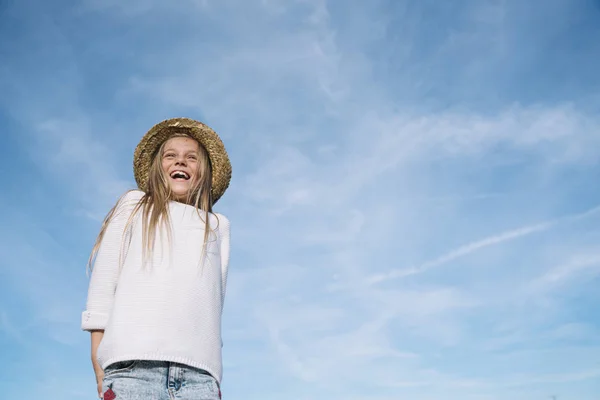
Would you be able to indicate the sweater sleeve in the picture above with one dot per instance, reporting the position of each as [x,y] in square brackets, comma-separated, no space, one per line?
[105,273]
[224,233]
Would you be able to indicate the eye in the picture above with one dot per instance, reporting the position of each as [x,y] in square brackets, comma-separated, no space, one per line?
[169,155]
[192,157]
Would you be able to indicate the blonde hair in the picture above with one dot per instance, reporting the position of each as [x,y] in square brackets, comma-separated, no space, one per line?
[155,201]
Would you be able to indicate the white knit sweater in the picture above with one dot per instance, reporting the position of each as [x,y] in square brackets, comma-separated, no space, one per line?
[169,309]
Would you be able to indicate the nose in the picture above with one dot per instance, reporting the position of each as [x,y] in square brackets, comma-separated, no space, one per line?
[180,160]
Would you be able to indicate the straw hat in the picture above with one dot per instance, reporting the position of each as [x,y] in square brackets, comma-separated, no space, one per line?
[159,133]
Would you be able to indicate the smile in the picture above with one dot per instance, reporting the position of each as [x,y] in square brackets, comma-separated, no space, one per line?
[180,175]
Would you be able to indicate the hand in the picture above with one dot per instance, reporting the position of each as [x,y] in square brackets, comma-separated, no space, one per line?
[96,338]
[99,379]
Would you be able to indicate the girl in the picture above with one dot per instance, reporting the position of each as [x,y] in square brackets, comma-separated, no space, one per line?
[160,265]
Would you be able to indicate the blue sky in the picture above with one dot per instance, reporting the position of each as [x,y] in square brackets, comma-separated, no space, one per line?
[414,203]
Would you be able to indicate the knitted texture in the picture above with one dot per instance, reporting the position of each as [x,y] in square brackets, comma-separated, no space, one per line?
[170,308]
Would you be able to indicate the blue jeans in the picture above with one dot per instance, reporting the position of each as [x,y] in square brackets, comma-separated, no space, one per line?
[158,380]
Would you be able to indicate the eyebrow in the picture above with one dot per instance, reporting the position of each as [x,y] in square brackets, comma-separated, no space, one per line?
[187,152]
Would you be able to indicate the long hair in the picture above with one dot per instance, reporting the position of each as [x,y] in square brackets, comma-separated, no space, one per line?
[155,202]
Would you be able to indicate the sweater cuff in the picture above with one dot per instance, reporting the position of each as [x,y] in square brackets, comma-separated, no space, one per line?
[93,321]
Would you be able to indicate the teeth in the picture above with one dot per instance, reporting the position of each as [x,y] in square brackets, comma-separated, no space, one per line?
[180,174]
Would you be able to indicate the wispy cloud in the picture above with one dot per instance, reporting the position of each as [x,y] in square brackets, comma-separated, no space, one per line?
[363,139]
[9,329]
[561,274]
[490,241]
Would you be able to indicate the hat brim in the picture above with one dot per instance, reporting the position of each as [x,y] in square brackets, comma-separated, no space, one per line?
[161,132]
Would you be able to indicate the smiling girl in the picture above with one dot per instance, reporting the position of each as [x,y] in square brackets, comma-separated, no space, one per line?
[159,271]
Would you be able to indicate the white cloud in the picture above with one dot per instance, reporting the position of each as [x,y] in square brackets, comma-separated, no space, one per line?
[578,265]
[490,241]
[333,185]
[8,328]
[138,8]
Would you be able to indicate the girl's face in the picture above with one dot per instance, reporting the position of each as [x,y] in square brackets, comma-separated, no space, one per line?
[180,165]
